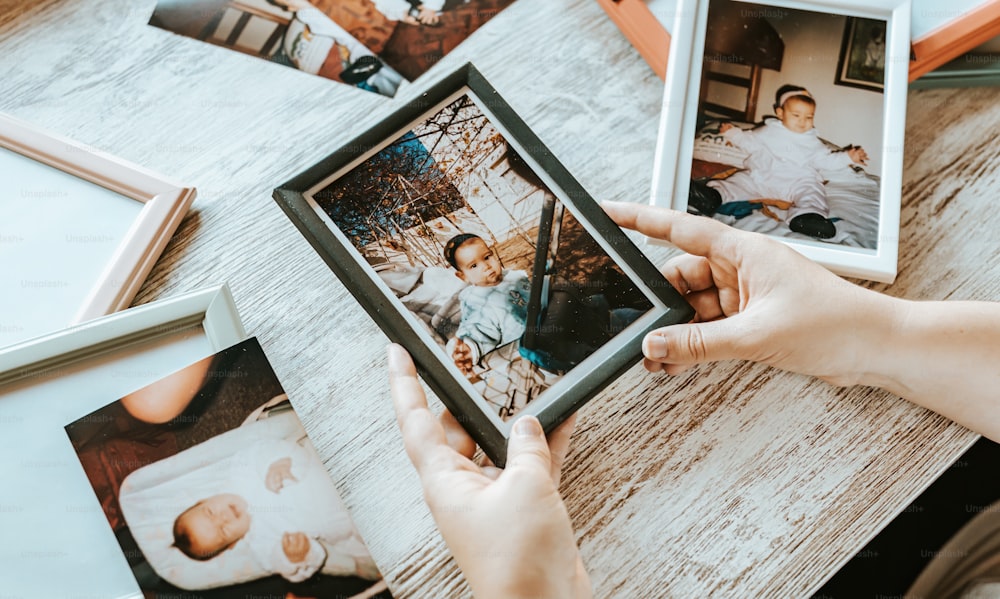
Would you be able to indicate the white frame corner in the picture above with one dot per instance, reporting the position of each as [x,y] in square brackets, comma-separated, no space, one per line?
[672,165]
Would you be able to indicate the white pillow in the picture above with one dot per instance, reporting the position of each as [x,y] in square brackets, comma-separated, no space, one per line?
[711,146]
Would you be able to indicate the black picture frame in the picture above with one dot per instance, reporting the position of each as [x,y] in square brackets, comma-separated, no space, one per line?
[467,89]
[851,68]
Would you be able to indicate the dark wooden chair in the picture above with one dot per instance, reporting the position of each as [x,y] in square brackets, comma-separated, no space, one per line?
[245,15]
[739,46]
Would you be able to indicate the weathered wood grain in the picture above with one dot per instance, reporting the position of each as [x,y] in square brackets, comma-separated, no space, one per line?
[730,480]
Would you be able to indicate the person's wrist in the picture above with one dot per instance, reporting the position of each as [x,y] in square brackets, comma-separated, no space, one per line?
[885,317]
[549,585]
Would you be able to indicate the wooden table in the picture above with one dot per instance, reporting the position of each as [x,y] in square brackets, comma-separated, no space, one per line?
[732,480]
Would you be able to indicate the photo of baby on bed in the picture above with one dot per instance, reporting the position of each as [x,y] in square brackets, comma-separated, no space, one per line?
[793,153]
[212,488]
[493,267]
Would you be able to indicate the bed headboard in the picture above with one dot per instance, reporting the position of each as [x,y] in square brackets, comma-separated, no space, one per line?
[738,44]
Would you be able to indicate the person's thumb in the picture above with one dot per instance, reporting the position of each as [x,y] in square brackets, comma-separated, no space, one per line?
[697,343]
[527,448]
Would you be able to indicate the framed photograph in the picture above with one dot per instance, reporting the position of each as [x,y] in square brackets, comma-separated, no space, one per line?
[48,510]
[978,67]
[942,35]
[773,123]
[213,489]
[862,54]
[471,245]
[643,29]
[79,230]
[374,45]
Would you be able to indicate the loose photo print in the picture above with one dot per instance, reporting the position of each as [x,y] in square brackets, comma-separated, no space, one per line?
[790,123]
[371,44]
[492,265]
[213,489]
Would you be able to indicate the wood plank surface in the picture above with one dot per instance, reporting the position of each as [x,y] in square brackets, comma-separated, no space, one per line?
[732,480]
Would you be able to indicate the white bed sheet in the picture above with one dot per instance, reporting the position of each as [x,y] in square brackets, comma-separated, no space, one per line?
[853,198]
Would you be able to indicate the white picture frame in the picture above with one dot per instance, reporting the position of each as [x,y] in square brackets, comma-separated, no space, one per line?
[58,539]
[811,36]
[79,230]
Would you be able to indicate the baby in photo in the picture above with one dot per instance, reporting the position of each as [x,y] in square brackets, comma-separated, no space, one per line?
[411,12]
[494,305]
[284,508]
[495,309]
[313,41]
[783,169]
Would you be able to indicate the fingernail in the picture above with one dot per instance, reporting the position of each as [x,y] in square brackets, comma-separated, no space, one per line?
[656,347]
[528,426]
[395,353]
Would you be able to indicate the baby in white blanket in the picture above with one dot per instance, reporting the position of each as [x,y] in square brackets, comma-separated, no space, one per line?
[285,508]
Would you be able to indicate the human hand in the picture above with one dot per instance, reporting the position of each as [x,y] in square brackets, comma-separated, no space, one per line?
[508,530]
[858,155]
[756,299]
[462,355]
[295,545]
[723,127]
[277,473]
[428,16]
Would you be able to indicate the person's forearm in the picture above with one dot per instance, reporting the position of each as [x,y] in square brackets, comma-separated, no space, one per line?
[944,356]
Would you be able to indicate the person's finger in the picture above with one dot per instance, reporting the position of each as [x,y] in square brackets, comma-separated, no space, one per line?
[559,446]
[687,273]
[423,435]
[706,304]
[458,439]
[527,448]
[693,234]
[723,339]
[675,369]
[652,365]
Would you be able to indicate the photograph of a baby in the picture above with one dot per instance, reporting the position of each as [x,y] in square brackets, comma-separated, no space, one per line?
[495,268]
[373,45]
[291,33]
[781,147]
[282,504]
[212,487]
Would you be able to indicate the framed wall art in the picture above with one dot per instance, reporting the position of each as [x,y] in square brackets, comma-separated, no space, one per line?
[472,246]
[862,54]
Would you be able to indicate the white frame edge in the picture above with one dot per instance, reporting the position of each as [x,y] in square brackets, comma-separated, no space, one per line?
[165,203]
[212,308]
[675,141]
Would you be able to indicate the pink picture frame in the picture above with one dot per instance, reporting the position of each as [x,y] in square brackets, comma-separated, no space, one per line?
[81,229]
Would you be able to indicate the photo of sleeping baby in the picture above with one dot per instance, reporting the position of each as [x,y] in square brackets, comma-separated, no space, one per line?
[493,267]
[783,146]
[213,489]
[371,44]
